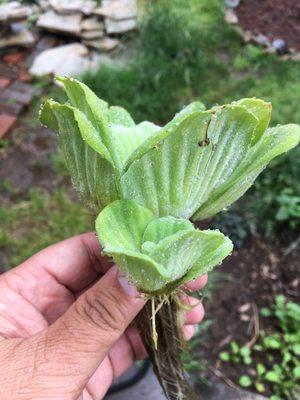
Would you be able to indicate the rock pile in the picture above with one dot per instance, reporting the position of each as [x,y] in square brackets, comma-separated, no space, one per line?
[94,26]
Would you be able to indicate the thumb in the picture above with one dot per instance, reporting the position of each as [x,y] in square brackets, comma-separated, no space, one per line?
[83,336]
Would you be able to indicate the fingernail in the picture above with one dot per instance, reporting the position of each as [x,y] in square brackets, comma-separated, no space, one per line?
[127,287]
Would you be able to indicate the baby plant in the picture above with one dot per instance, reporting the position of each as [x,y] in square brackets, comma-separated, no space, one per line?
[149,182]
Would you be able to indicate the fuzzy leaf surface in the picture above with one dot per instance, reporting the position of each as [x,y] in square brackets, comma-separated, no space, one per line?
[154,253]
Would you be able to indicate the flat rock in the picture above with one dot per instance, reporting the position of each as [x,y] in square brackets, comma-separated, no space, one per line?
[104,44]
[67,24]
[90,35]
[121,26]
[75,6]
[91,24]
[14,11]
[24,38]
[117,9]
[70,59]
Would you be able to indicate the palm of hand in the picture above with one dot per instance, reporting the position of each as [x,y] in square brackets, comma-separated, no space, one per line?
[37,293]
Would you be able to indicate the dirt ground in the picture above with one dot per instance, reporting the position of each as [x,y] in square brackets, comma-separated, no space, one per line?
[256,273]
[277,19]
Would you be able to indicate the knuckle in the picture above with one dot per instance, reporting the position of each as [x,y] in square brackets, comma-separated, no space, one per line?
[104,311]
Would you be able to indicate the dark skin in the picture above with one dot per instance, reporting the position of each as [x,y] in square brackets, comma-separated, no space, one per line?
[65,323]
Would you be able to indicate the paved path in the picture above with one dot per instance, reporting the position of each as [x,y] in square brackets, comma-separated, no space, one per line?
[149,389]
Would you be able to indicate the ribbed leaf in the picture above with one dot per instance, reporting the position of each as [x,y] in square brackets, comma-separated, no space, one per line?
[262,112]
[179,175]
[123,224]
[114,126]
[91,171]
[157,137]
[153,253]
[190,249]
[120,228]
[274,142]
[163,227]
[216,247]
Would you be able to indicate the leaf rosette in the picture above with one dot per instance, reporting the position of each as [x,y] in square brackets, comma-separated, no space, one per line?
[158,254]
[149,181]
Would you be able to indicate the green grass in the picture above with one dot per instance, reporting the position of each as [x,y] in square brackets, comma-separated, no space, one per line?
[37,221]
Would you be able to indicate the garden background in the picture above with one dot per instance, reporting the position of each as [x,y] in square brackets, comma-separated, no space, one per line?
[173,53]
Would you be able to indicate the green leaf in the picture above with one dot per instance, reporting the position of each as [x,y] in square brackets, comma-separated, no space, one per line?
[245,381]
[224,356]
[161,228]
[165,177]
[261,369]
[260,387]
[155,253]
[216,247]
[274,142]
[296,372]
[262,112]
[234,347]
[245,351]
[120,228]
[272,376]
[219,160]
[114,125]
[87,158]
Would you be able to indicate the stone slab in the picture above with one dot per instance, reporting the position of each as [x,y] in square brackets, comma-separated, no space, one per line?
[24,38]
[104,44]
[14,11]
[122,26]
[53,61]
[67,24]
[118,9]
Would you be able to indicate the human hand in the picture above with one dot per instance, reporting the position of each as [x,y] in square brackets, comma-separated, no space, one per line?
[65,317]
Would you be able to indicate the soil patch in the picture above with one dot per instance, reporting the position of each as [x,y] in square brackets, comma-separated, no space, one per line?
[258,273]
[276,19]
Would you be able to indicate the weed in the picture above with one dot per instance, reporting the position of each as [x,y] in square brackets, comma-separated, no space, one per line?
[278,352]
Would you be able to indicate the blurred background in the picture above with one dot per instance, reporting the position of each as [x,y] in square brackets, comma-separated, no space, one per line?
[153,58]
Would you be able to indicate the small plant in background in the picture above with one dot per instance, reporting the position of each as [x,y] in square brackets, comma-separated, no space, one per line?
[278,369]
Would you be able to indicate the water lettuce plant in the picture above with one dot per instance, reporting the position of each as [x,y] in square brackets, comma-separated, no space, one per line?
[147,183]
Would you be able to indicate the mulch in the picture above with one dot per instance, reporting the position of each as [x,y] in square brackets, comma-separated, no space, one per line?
[276,19]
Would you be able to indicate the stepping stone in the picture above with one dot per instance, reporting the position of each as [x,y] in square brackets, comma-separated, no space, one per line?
[90,35]
[91,24]
[120,26]
[14,11]
[75,6]
[24,38]
[67,24]
[6,123]
[117,9]
[105,44]
[53,61]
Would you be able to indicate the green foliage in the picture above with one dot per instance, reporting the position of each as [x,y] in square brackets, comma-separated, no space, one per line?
[277,192]
[38,221]
[187,51]
[176,51]
[157,253]
[279,366]
[193,167]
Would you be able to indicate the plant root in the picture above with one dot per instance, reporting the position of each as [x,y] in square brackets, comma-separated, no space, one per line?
[160,325]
